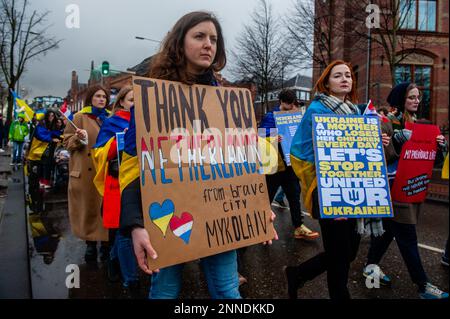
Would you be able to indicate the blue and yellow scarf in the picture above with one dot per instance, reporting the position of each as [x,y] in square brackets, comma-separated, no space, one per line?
[101,114]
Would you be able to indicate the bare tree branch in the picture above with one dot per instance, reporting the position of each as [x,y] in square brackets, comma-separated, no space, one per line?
[262,53]
[396,42]
[22,38]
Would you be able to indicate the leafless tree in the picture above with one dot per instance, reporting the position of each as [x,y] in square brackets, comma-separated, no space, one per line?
[263,54]
[307,26]
[392,37]
[328,21]
[22,38]
[3,94]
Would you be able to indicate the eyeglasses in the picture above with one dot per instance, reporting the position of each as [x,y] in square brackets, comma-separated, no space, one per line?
[413,98]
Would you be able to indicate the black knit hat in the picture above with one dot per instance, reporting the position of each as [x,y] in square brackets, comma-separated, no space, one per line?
[398,95]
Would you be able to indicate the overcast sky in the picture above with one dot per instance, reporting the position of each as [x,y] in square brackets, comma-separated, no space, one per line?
[108,29]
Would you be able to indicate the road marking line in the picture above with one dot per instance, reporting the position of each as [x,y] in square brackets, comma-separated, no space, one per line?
[431,248]
[437,250]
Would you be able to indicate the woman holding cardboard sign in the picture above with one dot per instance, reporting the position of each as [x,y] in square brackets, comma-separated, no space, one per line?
[335,94]
[405,97]
[191,53]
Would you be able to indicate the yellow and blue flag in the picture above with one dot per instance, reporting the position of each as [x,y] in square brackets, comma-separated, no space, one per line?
[445,168]
[41,138]
[102,114]
[129,167]
[21,106]
[105,139]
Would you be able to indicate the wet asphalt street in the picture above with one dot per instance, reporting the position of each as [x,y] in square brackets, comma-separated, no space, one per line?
[53,248]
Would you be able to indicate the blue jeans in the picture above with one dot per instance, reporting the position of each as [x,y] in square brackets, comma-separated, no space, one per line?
[280,195]
[123,250]
[17,152]
[220,272]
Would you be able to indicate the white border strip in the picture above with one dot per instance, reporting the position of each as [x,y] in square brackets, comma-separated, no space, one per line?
[431,248]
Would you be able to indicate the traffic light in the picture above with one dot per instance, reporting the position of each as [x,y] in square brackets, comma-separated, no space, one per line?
[105,68]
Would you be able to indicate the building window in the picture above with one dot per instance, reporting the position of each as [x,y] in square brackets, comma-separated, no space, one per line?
[421,75]
[418,15]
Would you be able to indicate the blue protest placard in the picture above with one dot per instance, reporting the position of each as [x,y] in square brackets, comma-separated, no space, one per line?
[287,123]
[120,139]
[351,167]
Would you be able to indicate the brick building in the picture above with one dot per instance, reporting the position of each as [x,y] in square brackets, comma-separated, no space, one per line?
[422,51]
[114,82]
[117,80]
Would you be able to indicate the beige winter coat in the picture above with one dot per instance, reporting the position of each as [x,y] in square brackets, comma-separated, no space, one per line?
[84,200]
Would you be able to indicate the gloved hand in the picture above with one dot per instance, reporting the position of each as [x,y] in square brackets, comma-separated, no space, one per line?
[401,136]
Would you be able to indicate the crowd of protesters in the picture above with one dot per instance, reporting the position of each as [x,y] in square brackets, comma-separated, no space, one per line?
[105,209]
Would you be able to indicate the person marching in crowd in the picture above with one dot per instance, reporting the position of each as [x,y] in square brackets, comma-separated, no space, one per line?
[405,97]
[335,94]
[84,200]
[285,176]
[38,152]
[47,160]
[17,133]
[191,53]
[106,180]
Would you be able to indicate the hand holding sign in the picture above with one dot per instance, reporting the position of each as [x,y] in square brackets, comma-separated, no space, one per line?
[142,249]
[275,235]
[385,139]
[440,139]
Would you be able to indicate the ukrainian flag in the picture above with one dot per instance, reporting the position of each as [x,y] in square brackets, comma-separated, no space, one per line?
[41,138]
[129,166]
[22,106]
[106,137]
[102,114]
[306,173]
[445,168]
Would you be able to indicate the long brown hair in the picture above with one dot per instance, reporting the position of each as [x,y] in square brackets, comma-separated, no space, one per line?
[120,96]
[170,62]
[322,83]
[91,91]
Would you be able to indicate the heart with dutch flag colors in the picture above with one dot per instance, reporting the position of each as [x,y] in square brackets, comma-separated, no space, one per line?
[182,226]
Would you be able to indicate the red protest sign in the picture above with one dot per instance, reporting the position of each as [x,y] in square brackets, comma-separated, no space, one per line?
[415,165]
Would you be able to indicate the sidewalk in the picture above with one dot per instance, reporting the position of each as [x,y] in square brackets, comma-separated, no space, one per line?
[5,173]
[14,269]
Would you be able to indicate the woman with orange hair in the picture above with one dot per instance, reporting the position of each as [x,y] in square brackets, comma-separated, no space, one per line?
[335,94]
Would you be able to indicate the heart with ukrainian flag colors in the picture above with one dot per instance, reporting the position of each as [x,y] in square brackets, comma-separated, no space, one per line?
[182,226]
[161,215]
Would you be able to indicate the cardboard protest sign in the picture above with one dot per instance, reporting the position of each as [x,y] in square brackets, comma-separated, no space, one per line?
[350,166]
[202,191]
[415,165]
[287,123]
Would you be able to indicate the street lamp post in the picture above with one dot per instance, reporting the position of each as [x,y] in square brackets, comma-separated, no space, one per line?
[147,39]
